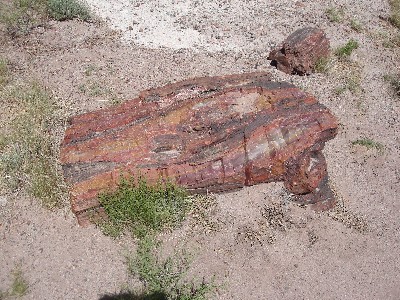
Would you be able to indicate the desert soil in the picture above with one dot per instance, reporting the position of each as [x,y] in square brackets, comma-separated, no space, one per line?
[256,242]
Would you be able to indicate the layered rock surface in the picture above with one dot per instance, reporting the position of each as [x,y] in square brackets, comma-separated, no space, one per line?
[300,52]
[206,134]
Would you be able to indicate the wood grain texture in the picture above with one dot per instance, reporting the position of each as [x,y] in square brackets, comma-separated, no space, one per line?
[206,134]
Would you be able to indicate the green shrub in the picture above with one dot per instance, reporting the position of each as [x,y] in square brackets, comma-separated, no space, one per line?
[145,210]
[347,49]
[61,10]
[142,208]
[165,278]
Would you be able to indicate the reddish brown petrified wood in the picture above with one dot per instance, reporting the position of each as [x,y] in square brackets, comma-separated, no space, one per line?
[299,53]
[206,134]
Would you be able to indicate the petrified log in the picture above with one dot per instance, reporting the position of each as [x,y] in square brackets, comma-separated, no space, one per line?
[299,53]
[206,134]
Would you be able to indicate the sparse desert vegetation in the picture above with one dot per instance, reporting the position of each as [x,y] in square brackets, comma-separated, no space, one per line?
[355,25]
[346,50]
[394,81]
[21,16]
[19,285]
[166,277]
[62,10]
[146,210]
[334,14]
[323,65]
[3,73]
[28,157]
[395,13]
[369,144]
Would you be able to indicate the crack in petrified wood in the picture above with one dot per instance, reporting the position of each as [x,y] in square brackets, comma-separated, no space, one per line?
[207,134]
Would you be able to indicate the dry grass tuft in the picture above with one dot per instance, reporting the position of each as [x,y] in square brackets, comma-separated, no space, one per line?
[355,25]
[3,73]
[348,218]
[28,149]
[395,13]
[19,285]
[323,65]
[20,16]
[335,15]
[202,212]
[275,217]
[394,81]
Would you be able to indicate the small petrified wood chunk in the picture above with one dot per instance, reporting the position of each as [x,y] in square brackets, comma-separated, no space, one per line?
[206,134]
[299,53]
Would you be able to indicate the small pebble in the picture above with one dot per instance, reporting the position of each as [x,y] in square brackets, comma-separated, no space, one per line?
[3,201]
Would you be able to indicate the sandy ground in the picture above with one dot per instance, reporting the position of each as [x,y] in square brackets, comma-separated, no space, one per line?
[352,252]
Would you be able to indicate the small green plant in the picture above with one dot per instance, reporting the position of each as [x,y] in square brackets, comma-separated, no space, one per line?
[90,69]
[395,13]
[165,277]
[19,285]
[3,141]
[369,144]
[322,65]
[353,84]
[62,10]
[351,81]
[335,15]
[346,50]
[340,90]
[355,25]
[143,208]
[394,81]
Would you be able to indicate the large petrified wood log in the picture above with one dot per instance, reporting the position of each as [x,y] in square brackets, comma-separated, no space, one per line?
[301,50]
[207,134]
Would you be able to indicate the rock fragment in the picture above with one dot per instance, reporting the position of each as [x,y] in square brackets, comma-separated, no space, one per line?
[300,52]
[207,134]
